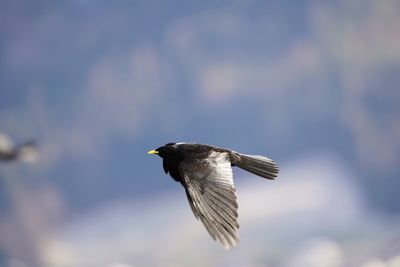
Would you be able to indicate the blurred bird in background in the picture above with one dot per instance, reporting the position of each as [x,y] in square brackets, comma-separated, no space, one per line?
[26,152]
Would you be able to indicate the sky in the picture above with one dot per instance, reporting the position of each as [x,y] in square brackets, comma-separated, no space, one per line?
[312,85]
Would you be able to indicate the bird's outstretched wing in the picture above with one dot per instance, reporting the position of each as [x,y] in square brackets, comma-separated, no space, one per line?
[210,190]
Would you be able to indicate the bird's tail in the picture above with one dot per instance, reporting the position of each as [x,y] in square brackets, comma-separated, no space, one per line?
[258,165]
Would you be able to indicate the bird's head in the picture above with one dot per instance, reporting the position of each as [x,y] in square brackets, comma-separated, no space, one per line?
[163,151]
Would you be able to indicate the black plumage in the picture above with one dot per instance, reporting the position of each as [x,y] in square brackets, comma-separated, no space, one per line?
[205,173]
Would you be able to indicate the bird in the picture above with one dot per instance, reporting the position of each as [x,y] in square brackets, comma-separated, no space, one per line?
[205,172]
[9,152]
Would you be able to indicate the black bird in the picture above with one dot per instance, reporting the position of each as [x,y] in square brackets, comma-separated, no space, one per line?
[9,152]
[206,174]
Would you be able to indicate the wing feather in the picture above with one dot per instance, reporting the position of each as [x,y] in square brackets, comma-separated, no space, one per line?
[212,196]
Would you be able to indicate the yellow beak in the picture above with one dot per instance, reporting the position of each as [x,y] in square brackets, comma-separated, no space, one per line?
[152,152]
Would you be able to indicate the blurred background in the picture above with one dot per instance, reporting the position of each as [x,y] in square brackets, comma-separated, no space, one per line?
[314,85]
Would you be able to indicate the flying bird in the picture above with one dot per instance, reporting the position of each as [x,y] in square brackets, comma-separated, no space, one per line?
[205,172]
[25,152]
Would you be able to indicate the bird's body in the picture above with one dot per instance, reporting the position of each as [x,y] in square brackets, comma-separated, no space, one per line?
[206,174]
[185,152]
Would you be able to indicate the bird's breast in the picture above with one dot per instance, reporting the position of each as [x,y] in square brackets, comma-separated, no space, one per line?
[172,168]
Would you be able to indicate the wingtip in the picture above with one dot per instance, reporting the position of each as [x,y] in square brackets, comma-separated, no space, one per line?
[230,246]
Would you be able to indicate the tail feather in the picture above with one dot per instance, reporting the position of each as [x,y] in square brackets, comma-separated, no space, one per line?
[258,165]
